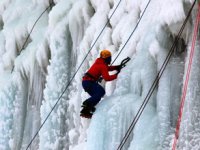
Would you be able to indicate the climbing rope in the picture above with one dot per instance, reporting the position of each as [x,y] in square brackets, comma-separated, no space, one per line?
[132,31]
[29,34]
[155,83]
[59,98]
[195,32]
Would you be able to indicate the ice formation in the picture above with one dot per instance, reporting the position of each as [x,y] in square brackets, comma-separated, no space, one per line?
[33,77]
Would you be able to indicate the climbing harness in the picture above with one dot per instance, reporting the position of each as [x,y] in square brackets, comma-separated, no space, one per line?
[87,74]
[185,86]
[155,83]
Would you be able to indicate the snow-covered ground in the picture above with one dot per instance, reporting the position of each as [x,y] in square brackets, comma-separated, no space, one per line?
[32,80]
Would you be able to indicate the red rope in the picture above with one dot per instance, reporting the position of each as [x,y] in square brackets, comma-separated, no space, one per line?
[195,32]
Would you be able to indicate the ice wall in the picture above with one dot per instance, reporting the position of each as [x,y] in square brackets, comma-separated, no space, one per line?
[22,71]
[153,40]
[56,47]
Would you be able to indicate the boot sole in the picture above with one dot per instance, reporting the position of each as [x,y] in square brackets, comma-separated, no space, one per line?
[86,116]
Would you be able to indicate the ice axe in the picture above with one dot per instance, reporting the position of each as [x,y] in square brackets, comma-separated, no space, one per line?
[122,65]
[124,61]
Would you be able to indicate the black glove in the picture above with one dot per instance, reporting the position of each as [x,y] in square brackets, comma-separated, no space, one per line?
[118,68]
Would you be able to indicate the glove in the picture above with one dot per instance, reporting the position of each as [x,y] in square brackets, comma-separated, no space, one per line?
[118,68]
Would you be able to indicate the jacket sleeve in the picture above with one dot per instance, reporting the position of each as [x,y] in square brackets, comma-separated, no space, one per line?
[105,75]
[111,68]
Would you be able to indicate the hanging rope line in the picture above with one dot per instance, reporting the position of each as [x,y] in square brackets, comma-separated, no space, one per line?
[29,34]
[59,98]
[195,32]
[132,32]
[155,83]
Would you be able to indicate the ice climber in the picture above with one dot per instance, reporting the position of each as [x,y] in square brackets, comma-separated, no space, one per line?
[90,81]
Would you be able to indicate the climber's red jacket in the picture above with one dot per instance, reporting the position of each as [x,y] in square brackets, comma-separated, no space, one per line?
[100,68]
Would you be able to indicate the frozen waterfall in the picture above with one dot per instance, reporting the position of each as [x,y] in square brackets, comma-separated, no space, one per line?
[32,80]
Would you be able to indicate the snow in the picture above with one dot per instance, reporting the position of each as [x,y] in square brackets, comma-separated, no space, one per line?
[56,48]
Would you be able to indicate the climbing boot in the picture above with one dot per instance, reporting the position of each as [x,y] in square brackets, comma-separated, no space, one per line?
[85,112]
[88,106]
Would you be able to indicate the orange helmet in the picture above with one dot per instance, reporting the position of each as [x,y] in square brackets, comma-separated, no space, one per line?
[105,53]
